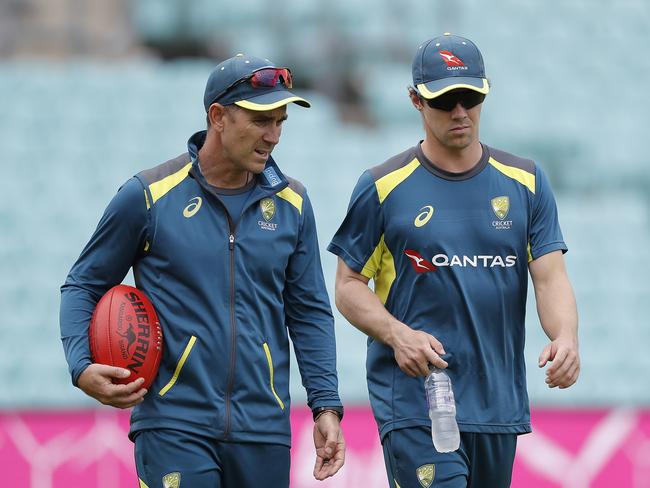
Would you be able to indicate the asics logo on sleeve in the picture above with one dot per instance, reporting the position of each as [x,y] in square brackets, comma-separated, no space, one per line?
[424,216]
[420,264]
[193,207]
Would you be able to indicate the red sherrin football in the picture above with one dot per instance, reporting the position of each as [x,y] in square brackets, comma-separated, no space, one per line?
[125,331]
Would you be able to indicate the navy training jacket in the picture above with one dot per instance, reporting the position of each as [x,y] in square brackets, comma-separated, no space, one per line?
[227,296]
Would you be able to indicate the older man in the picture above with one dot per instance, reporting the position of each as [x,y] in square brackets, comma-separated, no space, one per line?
[225,246]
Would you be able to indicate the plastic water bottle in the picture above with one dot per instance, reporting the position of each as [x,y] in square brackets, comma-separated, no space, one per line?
[442,411]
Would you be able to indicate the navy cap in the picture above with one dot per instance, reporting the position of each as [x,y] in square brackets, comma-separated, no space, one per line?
[219,87]
[447,63]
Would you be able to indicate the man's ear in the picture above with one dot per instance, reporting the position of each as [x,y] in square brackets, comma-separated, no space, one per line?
[216,115]
[415,98]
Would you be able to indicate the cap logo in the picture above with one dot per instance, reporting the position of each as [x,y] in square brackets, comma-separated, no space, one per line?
[450,59]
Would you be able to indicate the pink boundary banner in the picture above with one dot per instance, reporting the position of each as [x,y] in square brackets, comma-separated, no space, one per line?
[569,449]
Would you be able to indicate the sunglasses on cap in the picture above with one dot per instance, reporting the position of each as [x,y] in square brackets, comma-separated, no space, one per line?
[263,78]
[448,101]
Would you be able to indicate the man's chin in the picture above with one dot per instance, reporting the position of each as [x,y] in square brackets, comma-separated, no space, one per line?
[461,142]
[256,167]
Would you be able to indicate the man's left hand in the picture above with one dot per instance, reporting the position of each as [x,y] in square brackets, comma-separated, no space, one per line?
[329,444]
[565,366]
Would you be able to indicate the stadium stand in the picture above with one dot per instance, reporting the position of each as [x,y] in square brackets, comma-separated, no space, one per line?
[568,96]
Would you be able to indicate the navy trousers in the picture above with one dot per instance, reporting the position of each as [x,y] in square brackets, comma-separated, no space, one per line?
[482,461]
[175,459]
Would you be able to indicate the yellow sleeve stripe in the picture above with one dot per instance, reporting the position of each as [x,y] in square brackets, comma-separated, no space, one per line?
[372,265]
[292,197]
[380,267]
[179,366]
[142,484]
[530,255]
[160,188]
[524,177]
[146,199]
[388,183]
[269,360]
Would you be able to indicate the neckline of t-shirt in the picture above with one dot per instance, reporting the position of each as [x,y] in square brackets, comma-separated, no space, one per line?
[449,175]
[234,191]
[248,186]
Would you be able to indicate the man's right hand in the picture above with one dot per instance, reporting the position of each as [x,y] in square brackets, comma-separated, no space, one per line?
[415,350]
[96,381]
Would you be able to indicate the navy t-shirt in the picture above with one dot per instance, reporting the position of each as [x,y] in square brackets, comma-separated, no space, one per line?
[448,254]
[235,199]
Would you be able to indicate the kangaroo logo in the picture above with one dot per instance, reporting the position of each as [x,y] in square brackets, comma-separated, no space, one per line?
[450,59]
[130,336]
[420,264]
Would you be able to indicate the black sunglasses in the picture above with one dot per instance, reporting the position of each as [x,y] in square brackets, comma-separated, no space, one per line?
[448,101]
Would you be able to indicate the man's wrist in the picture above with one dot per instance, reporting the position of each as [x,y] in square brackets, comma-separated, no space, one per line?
[318,411]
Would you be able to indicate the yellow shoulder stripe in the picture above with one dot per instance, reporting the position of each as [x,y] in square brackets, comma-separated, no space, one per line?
[292,197]
[524,177]
[142,484]
[388,183]
[380,267]
[160,188]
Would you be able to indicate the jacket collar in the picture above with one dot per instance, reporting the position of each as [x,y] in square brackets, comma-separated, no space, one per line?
[270,181]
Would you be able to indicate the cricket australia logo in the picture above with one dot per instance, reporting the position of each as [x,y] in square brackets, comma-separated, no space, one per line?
[267,206]
[172,480]
[426,474]
[501,207]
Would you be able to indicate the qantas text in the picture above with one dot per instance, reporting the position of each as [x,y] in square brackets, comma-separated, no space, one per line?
[485,261]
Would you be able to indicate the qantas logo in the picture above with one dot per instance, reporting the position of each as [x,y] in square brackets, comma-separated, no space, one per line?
[420,264]
[450,59]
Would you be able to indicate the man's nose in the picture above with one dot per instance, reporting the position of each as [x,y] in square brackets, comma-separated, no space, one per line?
[458,112]
[272,135]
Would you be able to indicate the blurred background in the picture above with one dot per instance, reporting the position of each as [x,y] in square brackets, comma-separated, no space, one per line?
[91,92]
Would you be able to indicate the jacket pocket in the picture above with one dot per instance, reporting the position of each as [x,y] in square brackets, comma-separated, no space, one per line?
[269,360]
[179,366]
